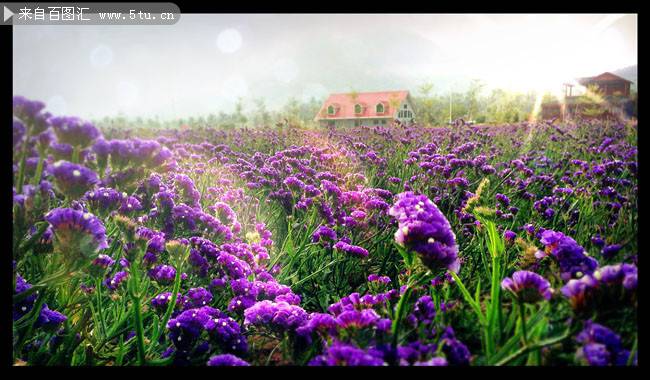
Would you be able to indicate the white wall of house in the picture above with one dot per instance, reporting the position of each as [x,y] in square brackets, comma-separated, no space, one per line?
[405,113]
[351,123]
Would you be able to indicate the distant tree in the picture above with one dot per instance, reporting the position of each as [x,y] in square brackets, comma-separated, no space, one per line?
[239,118]
[262,115]
[472,97]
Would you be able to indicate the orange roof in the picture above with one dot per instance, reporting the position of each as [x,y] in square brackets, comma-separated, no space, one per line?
[344,104]
[604,77]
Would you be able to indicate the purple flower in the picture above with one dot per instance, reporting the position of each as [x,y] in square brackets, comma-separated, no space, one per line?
[323,234]
[114,283]
[357,319]
[381,279]
[619,274]
[455,351]
[350,249]
[76,232]
[30,113]
[601,346]
[50,319]
[424,229]
[279,315]
[104,199]
[509,235]
[433,362]
[504,200]
[528,286]
[341,354]
[73,180]
[186,328]
[234,267]
[103,261]
[318,322]
[163,274]
[226,360]
[197,297]
[74,131]
[161,301]
[102,149]
[294,184]
[130,205]
[611,250]
[597,241]
[571,257]
[424,310]
[19,132]
[25,305]
[227,333]
[240,303]
[580,292]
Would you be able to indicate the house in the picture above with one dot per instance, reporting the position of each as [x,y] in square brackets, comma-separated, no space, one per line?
[366,108]
[611,99]
[609,84]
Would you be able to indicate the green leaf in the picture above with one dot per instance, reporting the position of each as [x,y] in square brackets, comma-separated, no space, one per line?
[475,305]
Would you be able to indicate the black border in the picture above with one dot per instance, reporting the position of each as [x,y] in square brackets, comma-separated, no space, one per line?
[6,47]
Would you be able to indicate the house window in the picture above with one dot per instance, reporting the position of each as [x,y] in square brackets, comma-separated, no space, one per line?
[379,108]
[357,123]
[383,122]
[330,110]
[405,107]
[357,108]
[330,123]
[375,122]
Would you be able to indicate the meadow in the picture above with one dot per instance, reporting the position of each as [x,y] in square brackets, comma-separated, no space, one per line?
[511,244]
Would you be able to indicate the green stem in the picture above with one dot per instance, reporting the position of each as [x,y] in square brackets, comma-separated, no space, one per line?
[39,171]
[139,331]
[98,289]
[75,155]
[522,317]
[630,360]
[525,349]
[398,317]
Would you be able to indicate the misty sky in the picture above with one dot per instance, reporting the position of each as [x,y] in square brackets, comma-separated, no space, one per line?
[204,63]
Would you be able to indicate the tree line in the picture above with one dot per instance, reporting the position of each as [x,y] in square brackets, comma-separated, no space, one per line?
[497,106]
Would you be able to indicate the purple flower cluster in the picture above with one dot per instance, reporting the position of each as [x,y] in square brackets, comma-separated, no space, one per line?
[50,319]
[352,250]
[76,232]
[74,131]
[161,301]
[570,256]
[226,360]
[601,346]
[341,354]
[425,230]
[188,327]
[604,287]
[73,180]
[528,286]
[163,274]
[279,315]
[25,305]
[112,283]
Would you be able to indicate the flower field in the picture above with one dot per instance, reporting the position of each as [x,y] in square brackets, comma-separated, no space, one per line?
[485,245]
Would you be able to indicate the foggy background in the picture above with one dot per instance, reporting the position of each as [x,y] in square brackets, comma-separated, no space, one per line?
[204,63]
